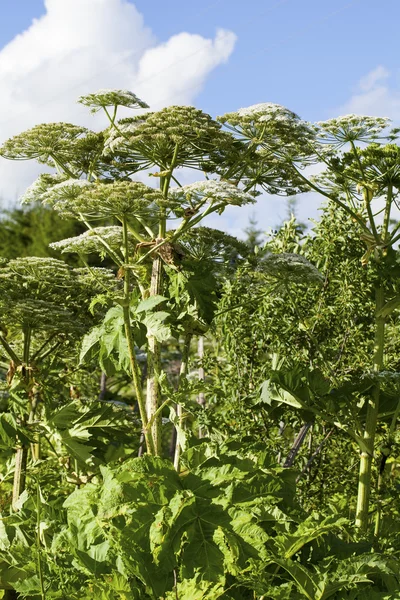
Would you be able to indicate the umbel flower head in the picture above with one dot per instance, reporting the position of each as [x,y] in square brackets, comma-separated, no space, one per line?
[77,198]
[92,241]
[351,128]
[45,294]
[292,268]
[206,244]
[380,166]
[172,137]
[210,192]
[109,97]
[41,185]
[46,143]
[272,127]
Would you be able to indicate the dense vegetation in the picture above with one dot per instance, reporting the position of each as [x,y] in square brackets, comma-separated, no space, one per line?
[184,415]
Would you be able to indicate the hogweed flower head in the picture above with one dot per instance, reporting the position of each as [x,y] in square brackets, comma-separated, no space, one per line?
[74,198]
[44,143]
[110,97]
[90,241]
[213,192]
[351,128]
[205,243]
[291,267]
[41,185]
[182,135]
[47,294]
[65,195]
[273,128]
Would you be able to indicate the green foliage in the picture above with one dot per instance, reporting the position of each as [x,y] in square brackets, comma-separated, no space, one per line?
[28,231]
[302,346]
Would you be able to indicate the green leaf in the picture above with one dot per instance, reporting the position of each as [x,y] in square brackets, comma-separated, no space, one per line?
[150,303]
[156,326]
[4,541]
[95,558]
[301,576]
[89,344]
[11,432]
[389,307]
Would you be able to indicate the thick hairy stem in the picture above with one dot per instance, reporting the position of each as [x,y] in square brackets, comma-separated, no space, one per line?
[38,541]
[298,442]
[201,399]
[34,401]
[136,374]
[153,397]
[367,453]
[179,409]
[21,456]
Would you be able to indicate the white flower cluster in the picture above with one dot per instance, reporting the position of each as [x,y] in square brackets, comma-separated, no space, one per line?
[40,314]
[110,97]
[63,196]
[118,136]
[351,128]
[35,192]
[265,110]
[91,241]
[292,268]
[212,191]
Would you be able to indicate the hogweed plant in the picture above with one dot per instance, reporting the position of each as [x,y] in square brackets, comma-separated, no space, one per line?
[360,174]
[223,522]
[43,313]
[95,181]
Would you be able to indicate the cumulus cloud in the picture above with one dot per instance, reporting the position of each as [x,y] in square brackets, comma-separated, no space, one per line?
[79,46]
[375,94]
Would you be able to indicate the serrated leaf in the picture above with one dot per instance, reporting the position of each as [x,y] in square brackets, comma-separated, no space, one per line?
[156,327]
[389,307]
[89,343]
[149,303]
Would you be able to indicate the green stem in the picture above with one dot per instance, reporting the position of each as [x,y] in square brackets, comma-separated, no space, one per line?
[136,375]
[179,409]
[364,480]
[154,364]
[354,215]
[158,411]
[133,230]
[66,169]
[112,254]
[386,218]
[43,346]
[367,195]
[38,543]
[10,351]
[21,456]
[153,396]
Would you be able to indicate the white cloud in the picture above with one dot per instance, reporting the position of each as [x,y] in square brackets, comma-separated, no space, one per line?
[373,78]
[78,46]
[374,95]
[180,74]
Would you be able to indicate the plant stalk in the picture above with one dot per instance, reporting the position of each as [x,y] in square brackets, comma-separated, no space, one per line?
[136,374]
[367,453]
[21,456]
[153,396]
[179,409]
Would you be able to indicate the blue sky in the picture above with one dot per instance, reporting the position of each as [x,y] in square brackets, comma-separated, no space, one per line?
[317,57]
